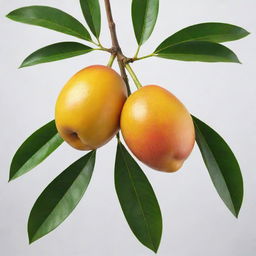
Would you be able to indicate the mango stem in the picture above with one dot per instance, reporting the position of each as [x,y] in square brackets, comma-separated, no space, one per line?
[133,76]
[111,60]
[118,137]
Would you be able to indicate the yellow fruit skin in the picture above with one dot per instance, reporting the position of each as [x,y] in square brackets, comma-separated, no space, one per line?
[88,108]
[157,128]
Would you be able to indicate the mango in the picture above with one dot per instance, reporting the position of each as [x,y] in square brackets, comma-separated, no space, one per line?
[88,108]
[157,128]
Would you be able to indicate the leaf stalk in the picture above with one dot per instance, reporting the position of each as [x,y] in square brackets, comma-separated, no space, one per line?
[144,57]
[136,53]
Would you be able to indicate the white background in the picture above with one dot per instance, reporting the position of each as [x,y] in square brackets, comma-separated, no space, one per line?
[196,222]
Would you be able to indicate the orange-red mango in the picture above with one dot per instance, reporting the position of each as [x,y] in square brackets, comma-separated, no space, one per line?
[157,128]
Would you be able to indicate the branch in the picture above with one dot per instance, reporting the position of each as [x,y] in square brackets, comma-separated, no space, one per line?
[116,49]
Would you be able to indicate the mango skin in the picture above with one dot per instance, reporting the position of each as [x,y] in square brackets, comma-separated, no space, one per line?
[87,111]
[157,128]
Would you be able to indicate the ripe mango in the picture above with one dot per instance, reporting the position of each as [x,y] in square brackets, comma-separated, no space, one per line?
[88,108]
[157,128]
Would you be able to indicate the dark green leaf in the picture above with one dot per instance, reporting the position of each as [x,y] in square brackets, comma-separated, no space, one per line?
[55,52]
[50,18]
[35,149]
[137,199]
[91,11]
[222,166]
[212,31]
[144,16]
[198,51]
[60,197]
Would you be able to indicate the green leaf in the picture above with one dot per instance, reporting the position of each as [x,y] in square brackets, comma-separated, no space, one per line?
[35,149]
[91,11]
[137,199]
[60,197]
[221,164]
[198,51]
[50,18]
[58,51]
[212,31]
[144,16]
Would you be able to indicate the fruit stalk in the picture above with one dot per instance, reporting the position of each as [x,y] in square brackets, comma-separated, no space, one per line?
[116,49]
[111,60]
[133,75]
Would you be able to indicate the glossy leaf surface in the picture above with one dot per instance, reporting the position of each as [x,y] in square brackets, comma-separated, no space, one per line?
[222,165]
[50,18]
[35,149]
[60,197]
[91,11]
[137,199]
[198,51]
[144,16]
[54,52]
[211,31]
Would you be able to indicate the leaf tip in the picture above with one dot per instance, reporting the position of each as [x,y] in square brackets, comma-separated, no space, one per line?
[11,175]
[155,250]
[31,240]
[154,247]
[32,236]
[24,64]
[14,173]
[246,33]
[8,15]
[21,66]
[236,60]
[236,213]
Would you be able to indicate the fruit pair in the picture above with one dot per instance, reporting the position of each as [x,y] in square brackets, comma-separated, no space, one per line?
[155,125]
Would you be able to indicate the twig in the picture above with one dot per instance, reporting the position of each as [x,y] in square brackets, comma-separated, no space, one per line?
[116,50]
